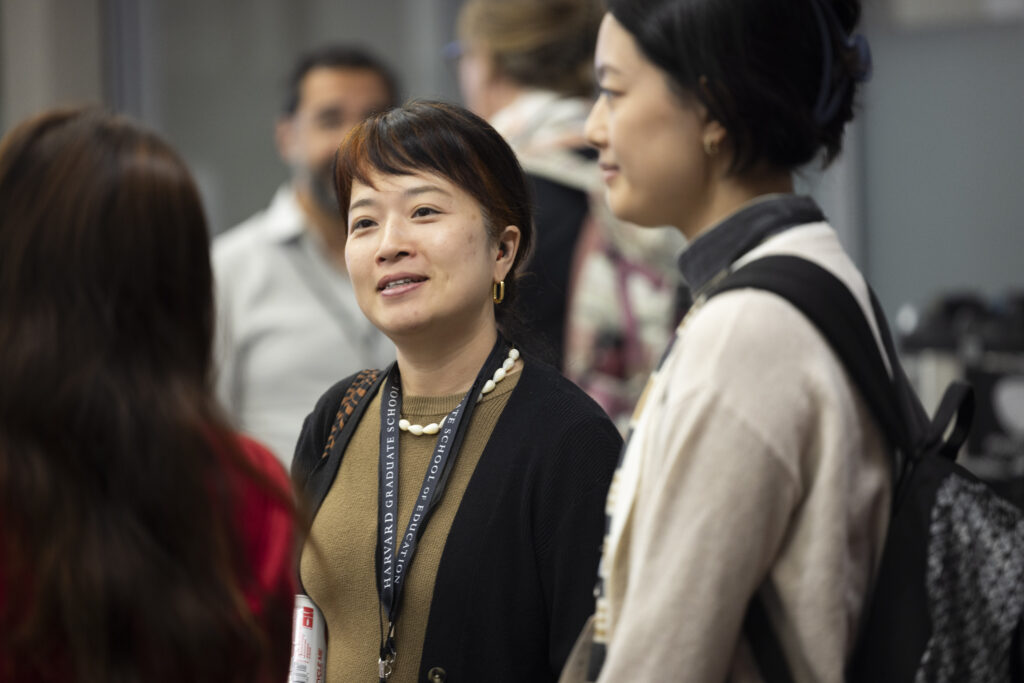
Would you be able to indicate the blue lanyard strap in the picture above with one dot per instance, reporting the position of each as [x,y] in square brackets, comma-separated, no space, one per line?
[395,554]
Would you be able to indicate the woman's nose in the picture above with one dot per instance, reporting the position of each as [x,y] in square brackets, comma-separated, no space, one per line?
[594,129]
[394,242]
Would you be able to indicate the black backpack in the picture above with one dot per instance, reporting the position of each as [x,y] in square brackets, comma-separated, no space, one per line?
[948,599]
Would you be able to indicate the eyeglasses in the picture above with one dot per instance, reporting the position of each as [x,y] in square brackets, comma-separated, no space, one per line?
[453,51]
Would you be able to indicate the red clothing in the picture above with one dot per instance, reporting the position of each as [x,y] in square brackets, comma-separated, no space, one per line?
[268,541]
[269,532]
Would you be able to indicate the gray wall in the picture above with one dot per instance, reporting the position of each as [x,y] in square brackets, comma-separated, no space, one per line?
[943,160]
[49,54]
[212,76]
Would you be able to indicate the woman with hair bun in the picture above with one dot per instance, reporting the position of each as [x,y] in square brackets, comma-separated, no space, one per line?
[753,468]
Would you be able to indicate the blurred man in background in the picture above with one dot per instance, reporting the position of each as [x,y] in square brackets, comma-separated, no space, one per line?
[288,323]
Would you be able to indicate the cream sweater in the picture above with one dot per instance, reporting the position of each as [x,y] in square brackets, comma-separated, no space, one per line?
[753,457]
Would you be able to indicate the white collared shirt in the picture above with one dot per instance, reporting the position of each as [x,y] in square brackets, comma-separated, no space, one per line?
[288,325]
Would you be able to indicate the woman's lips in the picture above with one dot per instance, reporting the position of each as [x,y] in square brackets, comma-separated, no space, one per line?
[396,285]
[608,172]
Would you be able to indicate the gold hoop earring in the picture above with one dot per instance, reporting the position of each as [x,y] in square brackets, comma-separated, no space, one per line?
[498,292]
[710,146]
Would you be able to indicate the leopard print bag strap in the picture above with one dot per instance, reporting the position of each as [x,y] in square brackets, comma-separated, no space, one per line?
[355,394]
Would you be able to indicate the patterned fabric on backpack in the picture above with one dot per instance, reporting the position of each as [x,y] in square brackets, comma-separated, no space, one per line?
[975,583]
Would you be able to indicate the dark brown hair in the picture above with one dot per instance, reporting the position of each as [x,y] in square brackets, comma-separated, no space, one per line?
[120,552]
[456,144]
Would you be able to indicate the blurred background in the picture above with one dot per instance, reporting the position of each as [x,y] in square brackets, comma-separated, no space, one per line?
[927,196]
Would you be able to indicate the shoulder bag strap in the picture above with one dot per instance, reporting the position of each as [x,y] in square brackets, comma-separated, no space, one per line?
[353,405]
[834,311]
[356,392]
[832,308]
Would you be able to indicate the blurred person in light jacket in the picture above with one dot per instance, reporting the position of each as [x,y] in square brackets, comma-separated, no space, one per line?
[287,318]
[601,292]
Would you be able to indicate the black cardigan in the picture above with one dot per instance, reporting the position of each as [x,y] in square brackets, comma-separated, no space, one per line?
[516,578]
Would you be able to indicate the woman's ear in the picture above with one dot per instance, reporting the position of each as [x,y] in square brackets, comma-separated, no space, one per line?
[507,247]
[714,135]
[717,148]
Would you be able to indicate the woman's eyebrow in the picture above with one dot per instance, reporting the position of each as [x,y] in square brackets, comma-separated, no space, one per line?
[423,189]
[411,192]
[604,69]
[366,201]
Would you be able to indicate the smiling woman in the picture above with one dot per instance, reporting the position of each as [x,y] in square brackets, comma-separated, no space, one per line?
[423,263]
[512,485]
[453,233]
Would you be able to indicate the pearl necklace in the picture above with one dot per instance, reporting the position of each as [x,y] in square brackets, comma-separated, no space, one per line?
[435,427]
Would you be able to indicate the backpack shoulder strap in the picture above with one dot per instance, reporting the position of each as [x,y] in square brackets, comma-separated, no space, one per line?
[834,311]
[822,298]
[831,307]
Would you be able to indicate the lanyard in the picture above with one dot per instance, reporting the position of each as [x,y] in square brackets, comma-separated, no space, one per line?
[393,560]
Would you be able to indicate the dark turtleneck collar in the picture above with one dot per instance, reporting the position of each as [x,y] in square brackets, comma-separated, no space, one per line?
[718,247]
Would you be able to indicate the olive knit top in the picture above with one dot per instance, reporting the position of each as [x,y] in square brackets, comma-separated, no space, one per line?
[337,565]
